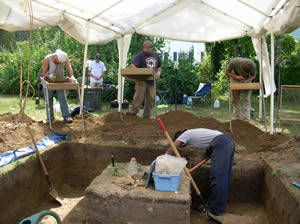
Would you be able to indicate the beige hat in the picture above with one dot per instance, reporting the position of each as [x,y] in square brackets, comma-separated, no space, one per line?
[61,55]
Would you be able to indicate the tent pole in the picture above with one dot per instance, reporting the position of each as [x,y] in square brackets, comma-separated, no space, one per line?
[120,78]
[260,79]
[272,90]
[84,71]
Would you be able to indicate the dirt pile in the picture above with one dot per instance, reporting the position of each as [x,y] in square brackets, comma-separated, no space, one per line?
[114,128]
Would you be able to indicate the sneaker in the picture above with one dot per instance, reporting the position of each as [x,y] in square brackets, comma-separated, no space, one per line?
[68,120]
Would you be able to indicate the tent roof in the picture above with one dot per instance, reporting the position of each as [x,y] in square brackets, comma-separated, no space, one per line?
[187,20]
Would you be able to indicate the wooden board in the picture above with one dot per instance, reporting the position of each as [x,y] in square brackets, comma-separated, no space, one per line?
[136,74]
[289,119]
[59,86]
[295,87]
[245,86]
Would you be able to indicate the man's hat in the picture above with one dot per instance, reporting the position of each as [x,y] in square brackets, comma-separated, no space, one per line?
[97,56]
[61,55]
[148,45]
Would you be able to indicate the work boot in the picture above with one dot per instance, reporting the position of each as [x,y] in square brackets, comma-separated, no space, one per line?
[68,120]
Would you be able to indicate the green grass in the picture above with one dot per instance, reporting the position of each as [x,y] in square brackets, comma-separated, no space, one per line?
[290,108]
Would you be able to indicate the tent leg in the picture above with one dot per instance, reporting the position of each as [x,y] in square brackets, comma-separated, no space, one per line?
[82,118]
[48,107]
[230,115]
[155,108]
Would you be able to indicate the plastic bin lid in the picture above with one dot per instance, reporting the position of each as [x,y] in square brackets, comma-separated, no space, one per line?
[150,173]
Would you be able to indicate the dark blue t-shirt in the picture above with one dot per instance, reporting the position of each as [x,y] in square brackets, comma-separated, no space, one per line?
[143,60]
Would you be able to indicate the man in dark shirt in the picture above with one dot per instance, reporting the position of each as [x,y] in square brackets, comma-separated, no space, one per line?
[144,90]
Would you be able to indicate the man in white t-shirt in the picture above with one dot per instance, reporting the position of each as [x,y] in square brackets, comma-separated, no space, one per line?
[220,148]
[97,71]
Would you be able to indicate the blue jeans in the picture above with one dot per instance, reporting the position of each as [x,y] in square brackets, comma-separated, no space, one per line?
[222,148]
[62,98]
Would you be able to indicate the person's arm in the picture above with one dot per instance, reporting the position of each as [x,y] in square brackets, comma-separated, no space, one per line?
[237,77]
[45,68]
[178,144]
[68,65]
[133,66]
[252,77]
[158,72]
[103,74]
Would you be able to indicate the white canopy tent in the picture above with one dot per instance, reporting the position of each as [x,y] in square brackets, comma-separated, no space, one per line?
[100,21]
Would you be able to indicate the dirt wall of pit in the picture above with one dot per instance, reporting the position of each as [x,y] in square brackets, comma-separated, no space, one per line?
[22,187]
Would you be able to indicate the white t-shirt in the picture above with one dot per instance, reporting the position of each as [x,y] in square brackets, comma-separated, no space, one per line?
[97,69]
[200,138]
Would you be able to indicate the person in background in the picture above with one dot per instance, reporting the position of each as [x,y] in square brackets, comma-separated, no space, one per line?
[97,71]
[241,70]
[144,90]
[53,66]
[220,148]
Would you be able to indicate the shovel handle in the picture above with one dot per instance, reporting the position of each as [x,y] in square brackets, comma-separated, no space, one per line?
[161,124]
[199,164]
[178,155]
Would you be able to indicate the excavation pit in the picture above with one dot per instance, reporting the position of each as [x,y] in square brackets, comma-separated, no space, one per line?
[259,192]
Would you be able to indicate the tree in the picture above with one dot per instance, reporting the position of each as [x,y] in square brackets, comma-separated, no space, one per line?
[7,40]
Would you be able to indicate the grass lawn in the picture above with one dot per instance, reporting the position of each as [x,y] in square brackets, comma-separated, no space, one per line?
[9,103]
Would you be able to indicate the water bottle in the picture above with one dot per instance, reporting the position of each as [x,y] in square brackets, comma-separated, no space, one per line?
[184,99]
[217,103]
[132,167]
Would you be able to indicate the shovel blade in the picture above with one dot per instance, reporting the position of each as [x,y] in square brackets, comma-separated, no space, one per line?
[53,193]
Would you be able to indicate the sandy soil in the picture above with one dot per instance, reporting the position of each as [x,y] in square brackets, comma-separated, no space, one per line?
[112,128]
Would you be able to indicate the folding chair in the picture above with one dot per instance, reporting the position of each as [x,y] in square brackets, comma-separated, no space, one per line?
[162,94]
[202,95]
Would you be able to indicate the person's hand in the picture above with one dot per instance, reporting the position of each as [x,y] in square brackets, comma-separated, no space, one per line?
[247,81]
[52,76]
[157,75]
[73,79]
[240,77]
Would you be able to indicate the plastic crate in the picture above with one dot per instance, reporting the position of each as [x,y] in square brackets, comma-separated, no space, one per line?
[165,182]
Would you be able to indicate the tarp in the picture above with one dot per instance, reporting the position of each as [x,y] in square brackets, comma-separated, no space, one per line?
[10,156]
[187,20]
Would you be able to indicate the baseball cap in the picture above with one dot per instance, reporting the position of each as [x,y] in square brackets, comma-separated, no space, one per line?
[61,55]
[98,56]
[147,45]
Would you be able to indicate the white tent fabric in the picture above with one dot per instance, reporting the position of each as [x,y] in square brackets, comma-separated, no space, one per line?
[287,20]
[186,20]
[260,46]
[123,46]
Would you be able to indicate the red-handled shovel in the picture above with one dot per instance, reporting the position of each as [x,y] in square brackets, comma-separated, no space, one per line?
[186,170]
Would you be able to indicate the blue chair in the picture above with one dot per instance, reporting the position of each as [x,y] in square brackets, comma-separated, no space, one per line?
[36,218]
[202,95]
